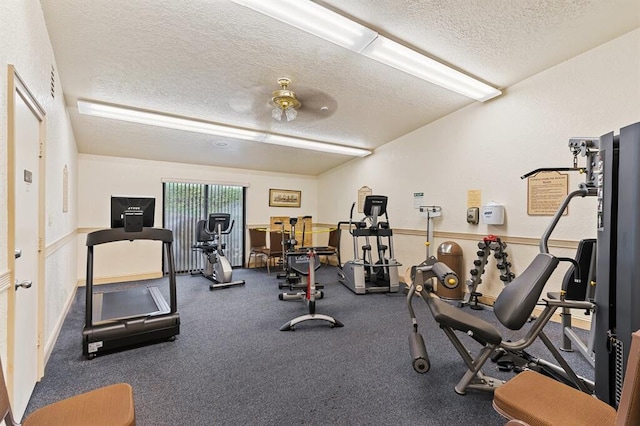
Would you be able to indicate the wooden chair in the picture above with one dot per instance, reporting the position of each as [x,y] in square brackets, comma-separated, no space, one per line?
[531,398]
[107,406]
[334,244]
[275,247]
[258,243]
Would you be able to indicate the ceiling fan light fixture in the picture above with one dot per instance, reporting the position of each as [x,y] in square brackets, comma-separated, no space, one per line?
[276,113]
[290,113]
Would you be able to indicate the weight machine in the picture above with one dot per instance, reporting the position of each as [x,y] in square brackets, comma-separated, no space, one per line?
[617,293]
[513,308]
[613,175]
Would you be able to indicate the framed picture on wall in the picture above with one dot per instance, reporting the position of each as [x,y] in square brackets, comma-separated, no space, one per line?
[284,198]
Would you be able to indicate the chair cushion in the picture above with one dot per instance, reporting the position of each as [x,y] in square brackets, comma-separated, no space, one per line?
[107,406]
[539,400]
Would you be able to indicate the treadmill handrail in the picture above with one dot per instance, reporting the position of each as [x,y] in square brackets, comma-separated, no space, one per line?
[110,235]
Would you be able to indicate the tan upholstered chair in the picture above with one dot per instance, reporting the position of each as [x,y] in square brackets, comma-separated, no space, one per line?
[258,243]
[534,399]
[106,406]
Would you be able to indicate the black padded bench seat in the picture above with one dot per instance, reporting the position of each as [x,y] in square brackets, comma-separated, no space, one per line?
[458,319]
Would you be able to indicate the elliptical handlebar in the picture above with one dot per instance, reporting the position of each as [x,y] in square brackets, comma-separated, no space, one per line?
[351,218]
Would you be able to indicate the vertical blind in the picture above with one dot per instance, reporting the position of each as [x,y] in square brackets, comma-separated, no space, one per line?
[187,203]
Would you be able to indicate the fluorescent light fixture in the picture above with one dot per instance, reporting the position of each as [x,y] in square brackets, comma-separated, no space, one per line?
[314,145]
[164,120]
[331,26]
[404,59]
[133,115]
[315,19]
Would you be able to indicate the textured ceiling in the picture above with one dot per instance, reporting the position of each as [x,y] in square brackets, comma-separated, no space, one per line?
[218,61]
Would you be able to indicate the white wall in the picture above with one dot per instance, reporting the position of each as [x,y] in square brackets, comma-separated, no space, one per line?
[100,177]
[488,146]
[24,43]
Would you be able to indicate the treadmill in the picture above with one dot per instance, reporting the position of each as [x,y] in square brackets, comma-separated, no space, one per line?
[129,317]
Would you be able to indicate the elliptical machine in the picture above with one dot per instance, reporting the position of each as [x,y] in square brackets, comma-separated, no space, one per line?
[209,242]
[361,275]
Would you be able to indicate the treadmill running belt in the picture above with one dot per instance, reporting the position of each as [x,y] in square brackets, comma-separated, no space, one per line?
[134,302]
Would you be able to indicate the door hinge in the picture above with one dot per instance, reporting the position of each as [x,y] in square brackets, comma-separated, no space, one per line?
[40,244]
[41,149]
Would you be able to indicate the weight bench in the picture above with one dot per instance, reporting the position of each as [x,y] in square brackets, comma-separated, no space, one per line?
[513,308]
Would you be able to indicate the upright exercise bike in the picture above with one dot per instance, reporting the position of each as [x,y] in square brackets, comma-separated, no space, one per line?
[209,242]
[305,262]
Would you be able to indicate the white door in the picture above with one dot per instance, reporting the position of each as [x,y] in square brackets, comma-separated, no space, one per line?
[27,123]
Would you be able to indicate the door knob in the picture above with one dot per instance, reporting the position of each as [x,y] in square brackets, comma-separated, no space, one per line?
[23,284]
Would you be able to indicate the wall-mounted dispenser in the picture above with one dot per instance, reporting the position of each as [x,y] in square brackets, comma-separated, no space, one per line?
[473,215]
[493,214]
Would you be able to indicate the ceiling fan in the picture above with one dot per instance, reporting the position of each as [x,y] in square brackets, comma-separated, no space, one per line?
[304,103]
[285,101]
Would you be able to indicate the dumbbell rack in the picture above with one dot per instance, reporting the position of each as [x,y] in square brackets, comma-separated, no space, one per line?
[490,243]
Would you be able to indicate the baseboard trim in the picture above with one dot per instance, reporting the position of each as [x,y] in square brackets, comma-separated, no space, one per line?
[50,344]
[121,278]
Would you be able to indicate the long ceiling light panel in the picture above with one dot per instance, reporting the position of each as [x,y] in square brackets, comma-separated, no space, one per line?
[331,26]
[133,115]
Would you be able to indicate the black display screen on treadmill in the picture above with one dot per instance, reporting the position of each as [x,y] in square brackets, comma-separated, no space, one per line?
[144,205]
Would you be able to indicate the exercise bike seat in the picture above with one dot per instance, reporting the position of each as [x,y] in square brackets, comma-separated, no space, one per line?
[458,319]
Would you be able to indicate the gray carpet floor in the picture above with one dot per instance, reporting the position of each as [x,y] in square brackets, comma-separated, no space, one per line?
[231,365]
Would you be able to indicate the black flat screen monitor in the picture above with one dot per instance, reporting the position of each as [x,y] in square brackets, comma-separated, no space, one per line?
[120,205]
[375,205]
